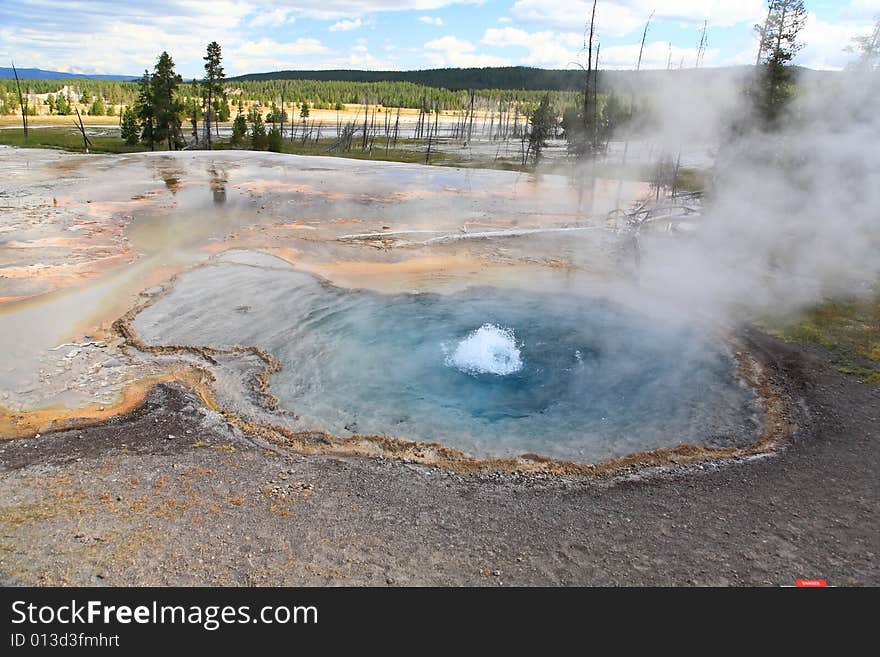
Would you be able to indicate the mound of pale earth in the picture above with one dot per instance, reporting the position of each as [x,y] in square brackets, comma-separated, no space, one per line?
[171,495]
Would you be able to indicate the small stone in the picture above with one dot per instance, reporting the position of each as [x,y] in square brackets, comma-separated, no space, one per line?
[170,436]
[496,573]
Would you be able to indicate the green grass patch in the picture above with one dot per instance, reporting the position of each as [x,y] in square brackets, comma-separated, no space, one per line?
[67,140]
[849,329]
[866,374]
[377,153]
[691,180]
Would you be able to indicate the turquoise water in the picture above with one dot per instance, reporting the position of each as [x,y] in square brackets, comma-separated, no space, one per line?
[492,372]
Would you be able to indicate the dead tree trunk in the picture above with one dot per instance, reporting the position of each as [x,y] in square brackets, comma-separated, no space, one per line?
[282,112]
[431,134]
[763,34]
[471,124]
[586,119]
[632,101]
[207,120]
[366,124]
[82,129]
[22,101]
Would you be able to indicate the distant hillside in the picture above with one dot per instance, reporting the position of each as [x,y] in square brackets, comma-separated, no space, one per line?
[510,77]
[40,74]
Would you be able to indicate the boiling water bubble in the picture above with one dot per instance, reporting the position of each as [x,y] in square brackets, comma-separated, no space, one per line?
[489,349]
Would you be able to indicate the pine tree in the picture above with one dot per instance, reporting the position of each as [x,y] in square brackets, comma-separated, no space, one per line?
[778,46]
[145,112]
[542,121]
[192,110]
[273,139]
[259,139]
[166,106]
[62,105]
[239,130]
[212,85]
[129,129]
[97,107]
[223,110]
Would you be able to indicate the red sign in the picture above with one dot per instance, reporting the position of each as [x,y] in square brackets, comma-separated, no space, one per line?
[811,583]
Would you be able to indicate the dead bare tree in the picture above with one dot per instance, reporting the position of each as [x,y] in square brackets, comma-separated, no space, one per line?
[704,43]
[366,135]
[283,89]
[82,129]
[471,124]
[587,100]
[632,101]
[432,134]
[763,31]
[22,101]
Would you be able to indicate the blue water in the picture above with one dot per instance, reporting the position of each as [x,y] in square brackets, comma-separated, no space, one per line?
[492,372]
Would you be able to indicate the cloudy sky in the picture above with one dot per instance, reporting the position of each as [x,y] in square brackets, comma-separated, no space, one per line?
[108,36]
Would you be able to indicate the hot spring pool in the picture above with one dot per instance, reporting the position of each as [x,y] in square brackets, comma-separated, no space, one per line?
[489,371]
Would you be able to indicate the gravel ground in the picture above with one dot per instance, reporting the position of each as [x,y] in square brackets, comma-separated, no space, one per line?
[171,495]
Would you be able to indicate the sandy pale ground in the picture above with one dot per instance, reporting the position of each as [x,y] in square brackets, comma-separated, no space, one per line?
[171,495]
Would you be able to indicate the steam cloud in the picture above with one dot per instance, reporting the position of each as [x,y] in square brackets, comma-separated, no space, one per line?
[793,217]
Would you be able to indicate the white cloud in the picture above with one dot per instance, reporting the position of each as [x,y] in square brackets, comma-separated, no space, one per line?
[346,25]
[861,10]
[452,51]
[360,58]
[627,16]
[277,16]
[824,42]
[655,56]
[339,9]
[104,36]
[129,39]
[450,43]
[267,48]
[563,49]
[548,49]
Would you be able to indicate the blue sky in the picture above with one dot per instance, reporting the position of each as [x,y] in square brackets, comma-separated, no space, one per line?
[108,36]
